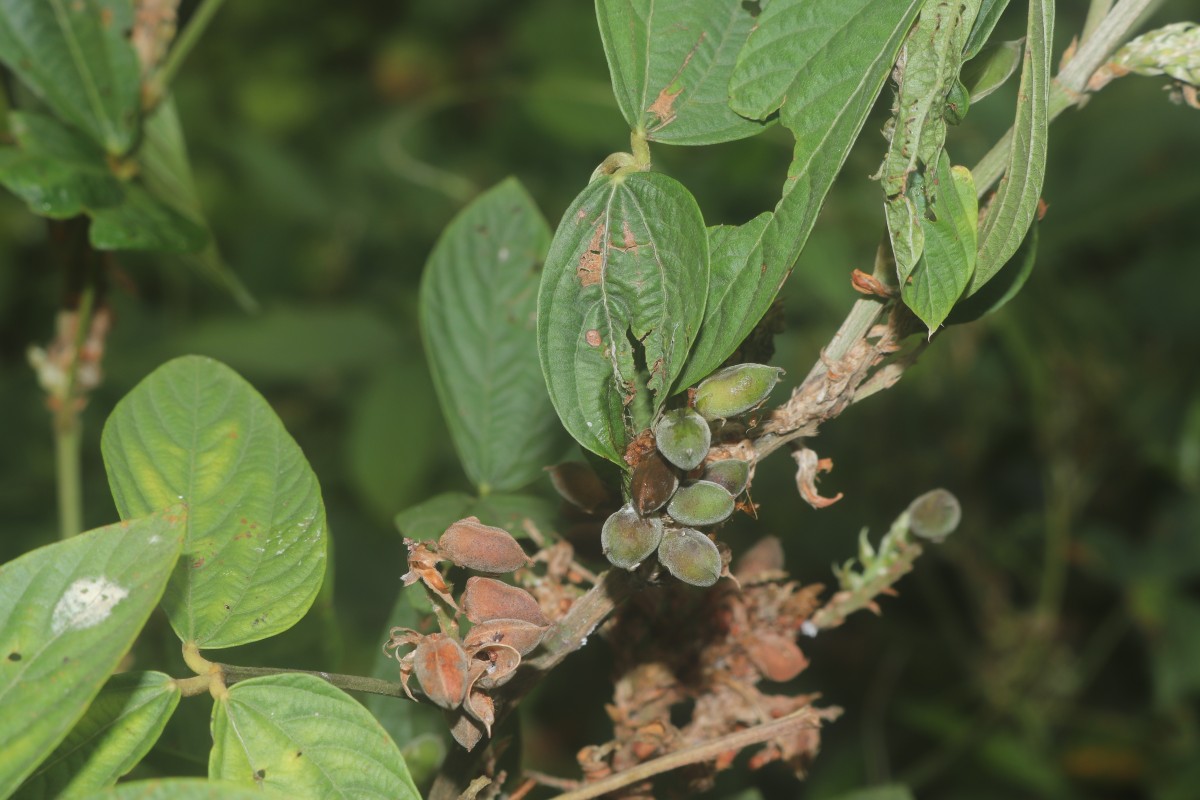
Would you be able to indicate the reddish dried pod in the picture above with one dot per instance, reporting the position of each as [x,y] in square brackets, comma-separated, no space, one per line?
[480,706]
[518,634]
[465,729]
[579,485]
[471,544]
[764,559]
[777,657]
[494,665]
[441,665]
[486,599]
[653,482]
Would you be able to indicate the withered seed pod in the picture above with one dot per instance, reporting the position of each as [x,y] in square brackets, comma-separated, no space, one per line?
[690,556]
[628,539]
[579,485]
[518,634]
[735,390]
[701,503]
[471,544]
[485,599]
[934,515]
[683,437]
[732,473]
[776,656]
[441,667]
[653,482]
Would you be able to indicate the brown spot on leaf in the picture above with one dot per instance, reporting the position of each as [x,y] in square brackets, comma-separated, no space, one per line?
[663,106]
[591,263]
[593,338]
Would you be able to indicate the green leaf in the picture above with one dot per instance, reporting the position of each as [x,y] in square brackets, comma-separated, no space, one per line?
[478,301]
[732,297]
[178,789]
[119,728]
[929,65]
[670,62]
[949,258]
[299,736]
[43,135]
[141,222]
[893,791]
[428,520]
[821,64]
[985,23]
[1015,204]
[53,188]
[629,263]
[195,431]
[68,612]
[993,296]
[76,55]
[994,65]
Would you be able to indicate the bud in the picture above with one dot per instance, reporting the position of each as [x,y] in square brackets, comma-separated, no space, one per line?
[471,544]
[627,539]
[735,390]
[701,503]
[690,556]
[486,599]
[518,634]
[934,515]
[653,482]
[732,473]
[683,437]
[441,666]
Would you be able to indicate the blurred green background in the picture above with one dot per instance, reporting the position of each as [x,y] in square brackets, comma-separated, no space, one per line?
[1049,649]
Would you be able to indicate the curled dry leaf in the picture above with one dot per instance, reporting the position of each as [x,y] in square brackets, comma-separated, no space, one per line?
[807,468]
[518,634]
[493,666]
[487,599]
[777,657]
[422,566]
[471,544]
[580,485]
[441,666]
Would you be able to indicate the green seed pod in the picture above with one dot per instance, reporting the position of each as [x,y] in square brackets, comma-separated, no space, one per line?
[735,390]
[627,539]
[683,437]
[732,473]
[653,482]
[690,556]
[958,102]
[701,503]
[934,515]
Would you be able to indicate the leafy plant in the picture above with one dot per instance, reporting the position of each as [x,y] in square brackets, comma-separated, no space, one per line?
[640,325]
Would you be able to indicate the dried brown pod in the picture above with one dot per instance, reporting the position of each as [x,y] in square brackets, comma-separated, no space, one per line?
[480,706]
[763,561]
[494,665]
[518,634]
[441,666]
[653,482]
[471,544]
[777,657]
[579,485]
[486,599]
[465,729]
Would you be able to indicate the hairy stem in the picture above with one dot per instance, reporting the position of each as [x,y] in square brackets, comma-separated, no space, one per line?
[352,683]
[68,429]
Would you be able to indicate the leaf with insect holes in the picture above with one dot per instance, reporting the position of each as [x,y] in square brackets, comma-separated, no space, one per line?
[195,431]
[670,62]
[69,612]
[627,276]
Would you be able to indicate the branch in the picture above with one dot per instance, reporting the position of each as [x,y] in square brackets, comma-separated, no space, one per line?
[354,683]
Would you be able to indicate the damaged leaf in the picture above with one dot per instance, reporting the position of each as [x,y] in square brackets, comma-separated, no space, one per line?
[670,62]
[621,301]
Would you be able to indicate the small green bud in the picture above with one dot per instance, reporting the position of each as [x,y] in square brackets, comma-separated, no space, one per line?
[683,437]
[934,515]
[701,503]
[732,473]
[958,102]
[627,539]
[690,556]
[652,484]
[735,390]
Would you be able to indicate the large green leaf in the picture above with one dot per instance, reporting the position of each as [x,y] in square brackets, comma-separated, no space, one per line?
[77,56]
[428,520]
[994,65]
[1015,204]
[193,430]
[945,266]
[670,62]
[142,222]
[119,728]
[68,613]
[1004,287]
[629,263]
[985,22]
[820,64]
[927,71]
[302,737]
[178,789]
[478,306]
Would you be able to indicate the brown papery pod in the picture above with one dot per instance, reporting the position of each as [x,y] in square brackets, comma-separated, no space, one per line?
[579,485]
[442,667]
[653,482]
[486,599]
[471,544]
[518,634]
[465,729]
[494,665]
[777,657]
[481,707]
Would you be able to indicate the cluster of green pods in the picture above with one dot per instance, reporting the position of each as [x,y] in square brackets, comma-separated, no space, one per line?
[670,498]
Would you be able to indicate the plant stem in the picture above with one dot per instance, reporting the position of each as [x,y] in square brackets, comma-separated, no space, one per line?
[353,683]
[68,429]
[196,26]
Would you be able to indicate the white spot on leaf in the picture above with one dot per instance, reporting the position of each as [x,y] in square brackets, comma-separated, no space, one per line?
[86,603]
